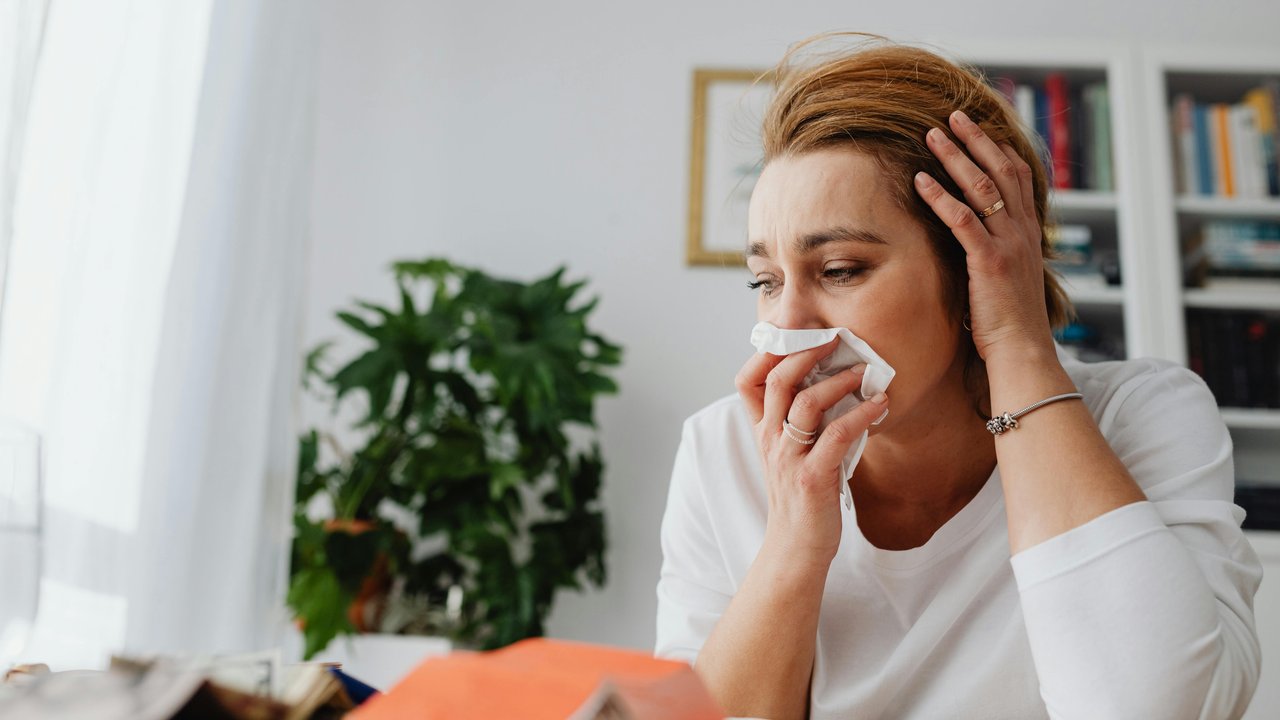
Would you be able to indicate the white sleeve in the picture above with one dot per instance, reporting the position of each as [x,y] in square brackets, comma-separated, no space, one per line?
[694,587]
[1147,611]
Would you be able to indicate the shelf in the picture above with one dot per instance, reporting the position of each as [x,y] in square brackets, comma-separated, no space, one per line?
[1224,207]
[1083,200]
[1088,206]
[1092,290]
[1244,295]
[1251,418]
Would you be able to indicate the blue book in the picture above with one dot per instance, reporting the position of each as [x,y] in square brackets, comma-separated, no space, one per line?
[1042,114]
[1204,156]
[356,690]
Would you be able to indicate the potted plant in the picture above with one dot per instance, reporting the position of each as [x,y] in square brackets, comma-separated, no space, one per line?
[471,492]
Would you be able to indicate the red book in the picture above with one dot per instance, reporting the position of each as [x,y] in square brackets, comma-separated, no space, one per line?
[1055,88]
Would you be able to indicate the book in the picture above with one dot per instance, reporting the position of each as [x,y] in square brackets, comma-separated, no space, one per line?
[1246,152]
[254,686]
[1104,175]
[1265,100]
[1205,162]
[1183,121]
[1024,99]
[546,679]
[1220,142]
[1060,135]
[1237,353]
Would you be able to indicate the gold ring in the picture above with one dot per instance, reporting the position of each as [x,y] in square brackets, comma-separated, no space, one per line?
[991,210]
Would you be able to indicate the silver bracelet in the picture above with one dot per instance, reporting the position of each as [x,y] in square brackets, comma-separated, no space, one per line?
[998,424]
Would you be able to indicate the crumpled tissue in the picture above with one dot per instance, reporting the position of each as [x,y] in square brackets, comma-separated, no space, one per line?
[768,338]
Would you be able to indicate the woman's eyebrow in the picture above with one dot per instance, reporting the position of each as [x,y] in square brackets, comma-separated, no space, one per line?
[812,241]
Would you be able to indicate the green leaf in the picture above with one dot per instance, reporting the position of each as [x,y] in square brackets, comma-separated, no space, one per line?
[319,601]
[359,324]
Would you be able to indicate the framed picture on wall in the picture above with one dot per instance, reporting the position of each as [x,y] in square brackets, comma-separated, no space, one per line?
[725,160]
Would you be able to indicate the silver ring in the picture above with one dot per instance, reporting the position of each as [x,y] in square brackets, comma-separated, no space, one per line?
[786,422]
[788,429]
[991,210]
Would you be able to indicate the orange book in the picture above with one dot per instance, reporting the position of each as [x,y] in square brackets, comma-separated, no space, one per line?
[1223,154]
[540,679]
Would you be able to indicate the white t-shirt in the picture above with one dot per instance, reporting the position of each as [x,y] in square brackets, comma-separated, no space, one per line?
[1144,612]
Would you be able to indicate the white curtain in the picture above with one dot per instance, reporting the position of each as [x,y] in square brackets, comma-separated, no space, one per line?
[150,323]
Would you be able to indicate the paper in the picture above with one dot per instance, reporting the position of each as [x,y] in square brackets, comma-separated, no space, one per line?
[768,338]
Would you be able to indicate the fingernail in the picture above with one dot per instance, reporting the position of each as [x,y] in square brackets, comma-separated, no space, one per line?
[937,136]
[923,180]
[962,118]
[860,367]
[879,398]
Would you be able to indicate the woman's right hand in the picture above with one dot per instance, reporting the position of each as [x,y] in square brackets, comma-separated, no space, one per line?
[803,480]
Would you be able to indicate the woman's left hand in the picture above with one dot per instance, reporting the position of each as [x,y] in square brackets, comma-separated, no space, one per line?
[1005,262]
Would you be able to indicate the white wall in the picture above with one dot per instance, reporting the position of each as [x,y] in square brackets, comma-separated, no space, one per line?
[521,135]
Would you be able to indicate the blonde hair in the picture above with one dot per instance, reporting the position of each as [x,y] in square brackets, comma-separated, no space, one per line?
[880,99]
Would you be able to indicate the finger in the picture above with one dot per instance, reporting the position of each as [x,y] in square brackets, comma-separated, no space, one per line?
[835,441]
[780,384]
[750,382]
[979,189]
[958,216]
[997,166]
[813,402]
[1026,188]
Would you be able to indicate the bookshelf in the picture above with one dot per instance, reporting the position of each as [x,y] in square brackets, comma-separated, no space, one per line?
[1209,75]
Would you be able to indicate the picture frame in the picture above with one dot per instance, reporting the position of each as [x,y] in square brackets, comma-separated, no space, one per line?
[724,161]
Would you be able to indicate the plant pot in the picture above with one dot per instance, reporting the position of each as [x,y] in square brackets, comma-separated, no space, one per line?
[365,611]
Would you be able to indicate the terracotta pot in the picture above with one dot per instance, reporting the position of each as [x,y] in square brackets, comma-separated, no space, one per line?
[365,611]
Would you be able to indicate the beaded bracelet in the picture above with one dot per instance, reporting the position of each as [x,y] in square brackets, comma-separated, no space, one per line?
[998,424]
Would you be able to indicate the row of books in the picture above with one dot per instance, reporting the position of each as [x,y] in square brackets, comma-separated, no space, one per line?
[1232,248]
[1238,355]
[1228,149]
[1074,121]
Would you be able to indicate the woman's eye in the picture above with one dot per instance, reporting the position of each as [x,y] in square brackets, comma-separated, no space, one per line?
[766,285]
[842,274]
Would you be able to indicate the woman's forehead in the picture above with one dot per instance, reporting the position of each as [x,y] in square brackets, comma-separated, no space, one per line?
[810,199]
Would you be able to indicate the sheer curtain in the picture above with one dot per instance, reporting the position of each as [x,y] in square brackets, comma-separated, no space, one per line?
[149,330]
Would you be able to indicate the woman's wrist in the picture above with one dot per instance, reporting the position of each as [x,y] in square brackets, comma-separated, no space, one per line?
[792,563]
[1024,377]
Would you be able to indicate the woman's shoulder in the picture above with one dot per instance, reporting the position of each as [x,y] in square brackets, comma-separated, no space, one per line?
[1163,423]
[721,436]
[725,414]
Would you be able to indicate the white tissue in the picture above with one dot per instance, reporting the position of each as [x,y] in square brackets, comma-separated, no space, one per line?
[768,338]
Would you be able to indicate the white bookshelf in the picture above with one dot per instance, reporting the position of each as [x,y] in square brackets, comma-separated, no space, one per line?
[1215,74]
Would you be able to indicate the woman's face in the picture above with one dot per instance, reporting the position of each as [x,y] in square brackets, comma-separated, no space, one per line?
[830,248]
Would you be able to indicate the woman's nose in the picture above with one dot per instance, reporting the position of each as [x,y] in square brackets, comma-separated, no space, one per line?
[795,310]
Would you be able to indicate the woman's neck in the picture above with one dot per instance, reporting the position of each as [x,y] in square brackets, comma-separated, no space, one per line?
[916,476]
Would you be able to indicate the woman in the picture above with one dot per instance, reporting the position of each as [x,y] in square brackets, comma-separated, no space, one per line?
[1085,563]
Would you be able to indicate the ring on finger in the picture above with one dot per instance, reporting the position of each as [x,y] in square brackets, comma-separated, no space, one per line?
[797,435]
[988,212]
[787,422]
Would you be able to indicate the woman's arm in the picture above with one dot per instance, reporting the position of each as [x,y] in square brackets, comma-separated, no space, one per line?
[1132,608]
[759,659]
[1057,469]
